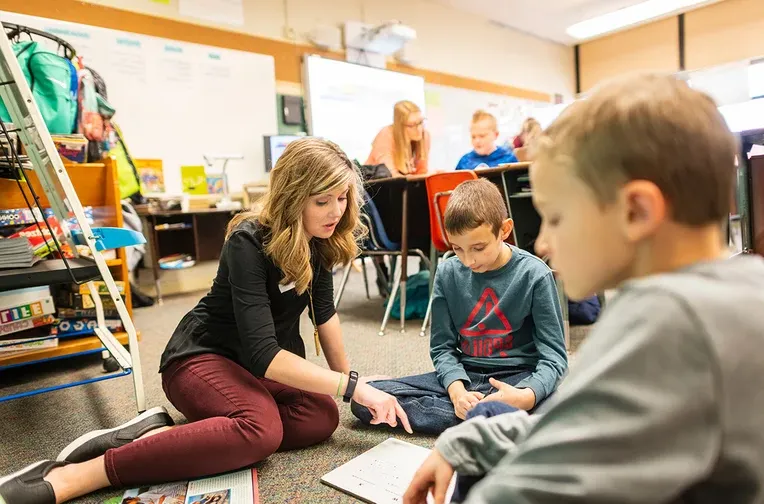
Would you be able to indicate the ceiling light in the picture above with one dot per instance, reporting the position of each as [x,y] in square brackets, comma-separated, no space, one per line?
[628,16]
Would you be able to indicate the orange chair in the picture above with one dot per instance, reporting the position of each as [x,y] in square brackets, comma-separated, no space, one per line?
[439,188]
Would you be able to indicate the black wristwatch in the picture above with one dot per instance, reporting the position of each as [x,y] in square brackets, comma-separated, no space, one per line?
[350,390]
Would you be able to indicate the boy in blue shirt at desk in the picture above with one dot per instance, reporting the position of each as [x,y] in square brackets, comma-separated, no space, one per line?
[497,329]
[486,154]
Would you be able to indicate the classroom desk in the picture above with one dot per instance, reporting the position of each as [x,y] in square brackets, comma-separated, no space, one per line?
[405,211]
[203,237]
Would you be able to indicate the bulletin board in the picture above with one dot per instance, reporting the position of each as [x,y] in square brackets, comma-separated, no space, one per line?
[179,101]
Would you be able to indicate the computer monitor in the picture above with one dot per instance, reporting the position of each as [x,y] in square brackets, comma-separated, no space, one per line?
[274,148]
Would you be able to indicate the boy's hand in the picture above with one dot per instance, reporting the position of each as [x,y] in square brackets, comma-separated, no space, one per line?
[462,399]
[435,474]
[465,402]
[520,398]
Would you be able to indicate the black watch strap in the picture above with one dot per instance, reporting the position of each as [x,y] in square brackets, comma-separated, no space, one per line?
[352,382]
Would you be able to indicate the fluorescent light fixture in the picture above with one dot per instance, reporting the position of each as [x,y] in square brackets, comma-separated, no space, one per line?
[628,16]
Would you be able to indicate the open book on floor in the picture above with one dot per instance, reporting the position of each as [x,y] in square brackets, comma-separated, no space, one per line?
[382,474]
[238,487]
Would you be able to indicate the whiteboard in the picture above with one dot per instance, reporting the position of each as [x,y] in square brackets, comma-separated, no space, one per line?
[349,103]
[177,101]
[449,113]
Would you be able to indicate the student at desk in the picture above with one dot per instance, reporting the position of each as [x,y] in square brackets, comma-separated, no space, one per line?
[403,146]
[486,154]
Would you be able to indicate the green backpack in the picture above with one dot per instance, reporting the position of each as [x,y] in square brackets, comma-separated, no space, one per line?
[54,83]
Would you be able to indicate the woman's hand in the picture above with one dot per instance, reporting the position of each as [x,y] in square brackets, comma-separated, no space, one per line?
[435,473]
[384,408]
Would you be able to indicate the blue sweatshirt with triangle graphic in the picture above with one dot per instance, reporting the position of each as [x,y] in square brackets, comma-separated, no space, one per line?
[508,318]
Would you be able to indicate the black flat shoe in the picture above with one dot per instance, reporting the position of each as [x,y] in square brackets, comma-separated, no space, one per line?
[96,443]
[27,486]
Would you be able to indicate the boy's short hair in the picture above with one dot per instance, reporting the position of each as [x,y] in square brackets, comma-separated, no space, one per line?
[482,115]
[472,204]
[654,128]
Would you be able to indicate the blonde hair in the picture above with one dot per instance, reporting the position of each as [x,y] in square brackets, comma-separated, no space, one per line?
[472,204]
[403,150]
[482,115]
[653,128]
[308,167]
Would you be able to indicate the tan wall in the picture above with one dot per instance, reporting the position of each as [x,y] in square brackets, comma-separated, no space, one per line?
[717,34]
[724,33]
[452,48]
[629,51]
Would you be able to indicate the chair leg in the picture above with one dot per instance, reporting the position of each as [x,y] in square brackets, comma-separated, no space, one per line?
[428,314]
[391,299]
[343,282]
[365,276]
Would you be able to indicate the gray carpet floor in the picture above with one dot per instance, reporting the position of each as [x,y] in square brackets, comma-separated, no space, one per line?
[38,427]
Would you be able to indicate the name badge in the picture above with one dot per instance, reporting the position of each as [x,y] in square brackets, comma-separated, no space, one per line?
[286,288]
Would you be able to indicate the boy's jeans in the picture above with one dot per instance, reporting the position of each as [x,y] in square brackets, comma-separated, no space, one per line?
[427,403]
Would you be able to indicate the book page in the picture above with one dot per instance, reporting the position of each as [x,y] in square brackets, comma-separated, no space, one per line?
[380,475]
[231,488]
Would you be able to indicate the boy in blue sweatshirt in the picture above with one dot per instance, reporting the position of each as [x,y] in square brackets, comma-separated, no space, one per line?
[497,329]
[486,153]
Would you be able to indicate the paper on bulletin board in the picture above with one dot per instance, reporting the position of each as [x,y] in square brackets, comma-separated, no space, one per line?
[164,2]
[217,11]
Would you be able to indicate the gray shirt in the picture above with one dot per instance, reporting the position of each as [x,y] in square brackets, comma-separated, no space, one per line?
[664,403]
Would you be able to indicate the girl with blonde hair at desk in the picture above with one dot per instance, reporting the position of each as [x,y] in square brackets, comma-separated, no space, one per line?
[403,146]
[235,365]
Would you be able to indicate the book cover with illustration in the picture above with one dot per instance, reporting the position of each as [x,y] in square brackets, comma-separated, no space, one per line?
[239,487]
[194,179]
[151,174]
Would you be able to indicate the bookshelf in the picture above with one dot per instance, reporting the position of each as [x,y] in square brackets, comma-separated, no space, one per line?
[97,186]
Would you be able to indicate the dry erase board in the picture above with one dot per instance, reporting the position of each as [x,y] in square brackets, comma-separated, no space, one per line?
[178,101]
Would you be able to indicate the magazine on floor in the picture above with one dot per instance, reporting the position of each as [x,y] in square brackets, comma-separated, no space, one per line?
[238,487]
[382,474]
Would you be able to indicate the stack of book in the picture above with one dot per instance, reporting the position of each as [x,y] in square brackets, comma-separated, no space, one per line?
[16,253]
[8,163]
[26,317]
[76,309]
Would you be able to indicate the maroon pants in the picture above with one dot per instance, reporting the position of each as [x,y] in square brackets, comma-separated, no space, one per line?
[235,420]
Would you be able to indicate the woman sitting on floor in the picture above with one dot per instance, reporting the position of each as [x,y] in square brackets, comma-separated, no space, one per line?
[235,366]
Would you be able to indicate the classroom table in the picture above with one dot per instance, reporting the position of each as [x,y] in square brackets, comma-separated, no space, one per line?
[410,226]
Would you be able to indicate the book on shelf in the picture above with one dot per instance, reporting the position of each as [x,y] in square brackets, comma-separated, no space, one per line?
[23,325]
[25,216]
[16,253]
[238,487]
[21,296]
[99,285]
[72,313]
[65,327]
[39,236]
[65,299]
[30,339]
[14,313]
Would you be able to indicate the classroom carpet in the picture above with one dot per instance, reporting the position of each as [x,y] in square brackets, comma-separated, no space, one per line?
[37,427]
